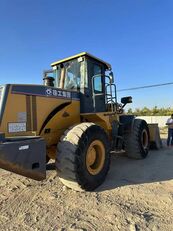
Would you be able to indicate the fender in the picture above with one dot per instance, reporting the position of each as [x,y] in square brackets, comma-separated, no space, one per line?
[52,114]
[126,121]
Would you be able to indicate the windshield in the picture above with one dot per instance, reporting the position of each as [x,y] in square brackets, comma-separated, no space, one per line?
[69,75]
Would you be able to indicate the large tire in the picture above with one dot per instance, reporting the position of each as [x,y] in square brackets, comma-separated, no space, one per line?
[83,157]
[137,142]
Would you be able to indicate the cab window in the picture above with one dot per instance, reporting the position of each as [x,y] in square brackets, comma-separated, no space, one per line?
[98,88]
[72,75]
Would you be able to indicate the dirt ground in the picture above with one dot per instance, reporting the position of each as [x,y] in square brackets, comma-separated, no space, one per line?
[137,195]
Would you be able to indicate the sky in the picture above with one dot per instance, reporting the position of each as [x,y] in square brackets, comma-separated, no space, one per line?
[134,36]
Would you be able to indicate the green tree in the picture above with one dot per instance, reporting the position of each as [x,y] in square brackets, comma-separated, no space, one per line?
[155,111]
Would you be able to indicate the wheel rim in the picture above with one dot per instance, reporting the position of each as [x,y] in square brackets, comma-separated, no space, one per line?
[144,139]
[95,157]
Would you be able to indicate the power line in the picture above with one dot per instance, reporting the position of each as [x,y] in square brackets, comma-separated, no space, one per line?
[146,86]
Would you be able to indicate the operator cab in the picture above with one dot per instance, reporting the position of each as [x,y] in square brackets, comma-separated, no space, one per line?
[85,74]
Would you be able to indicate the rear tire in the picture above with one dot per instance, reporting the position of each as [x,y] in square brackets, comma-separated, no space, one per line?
[83,157]
[137,141]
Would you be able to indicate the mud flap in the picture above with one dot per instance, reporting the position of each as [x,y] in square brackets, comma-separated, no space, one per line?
[26,157]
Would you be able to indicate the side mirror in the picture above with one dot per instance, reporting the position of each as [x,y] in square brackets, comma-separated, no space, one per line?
[126,100]
[111,75]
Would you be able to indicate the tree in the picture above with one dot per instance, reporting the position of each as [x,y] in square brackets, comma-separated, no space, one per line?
[155,111]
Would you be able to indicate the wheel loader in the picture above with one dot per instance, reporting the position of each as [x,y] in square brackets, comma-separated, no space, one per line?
[73,118]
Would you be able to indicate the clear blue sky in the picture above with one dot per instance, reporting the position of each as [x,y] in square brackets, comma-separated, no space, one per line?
[135,36]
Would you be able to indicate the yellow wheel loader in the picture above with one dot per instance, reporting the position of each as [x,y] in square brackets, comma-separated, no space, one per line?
[73,118]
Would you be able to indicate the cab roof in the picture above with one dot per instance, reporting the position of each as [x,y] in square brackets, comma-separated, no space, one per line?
[108,66]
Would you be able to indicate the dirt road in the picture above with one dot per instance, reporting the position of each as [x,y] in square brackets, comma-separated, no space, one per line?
[137,195]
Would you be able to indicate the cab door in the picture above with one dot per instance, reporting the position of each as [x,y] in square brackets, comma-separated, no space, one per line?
[92,90]
[98,86]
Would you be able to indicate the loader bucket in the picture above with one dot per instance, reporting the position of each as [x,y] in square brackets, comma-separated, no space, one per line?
[24,156]
[155,140]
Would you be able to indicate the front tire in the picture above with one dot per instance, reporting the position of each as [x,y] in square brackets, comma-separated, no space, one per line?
[137,142]
[83,157]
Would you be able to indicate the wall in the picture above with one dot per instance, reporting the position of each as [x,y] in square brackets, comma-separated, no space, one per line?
[161,120]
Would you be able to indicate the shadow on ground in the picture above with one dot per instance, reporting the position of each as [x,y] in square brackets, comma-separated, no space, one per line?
[50,166]
[157,167]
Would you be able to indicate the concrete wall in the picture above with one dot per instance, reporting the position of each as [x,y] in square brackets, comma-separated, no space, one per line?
[160,120]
